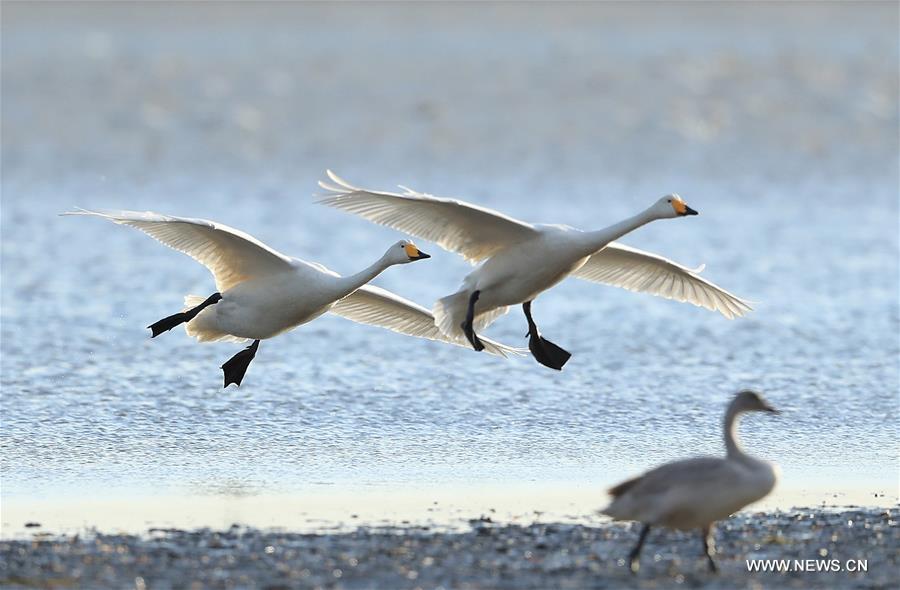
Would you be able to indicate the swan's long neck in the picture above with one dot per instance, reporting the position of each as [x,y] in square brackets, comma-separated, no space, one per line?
[732,442]
[351,283]
[599,239]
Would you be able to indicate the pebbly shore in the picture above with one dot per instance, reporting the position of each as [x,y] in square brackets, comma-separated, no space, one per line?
[483,554]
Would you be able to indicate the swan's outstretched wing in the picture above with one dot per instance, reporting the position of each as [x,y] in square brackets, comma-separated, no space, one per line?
[231,255]
[471,231]
[378,307]
[635,270]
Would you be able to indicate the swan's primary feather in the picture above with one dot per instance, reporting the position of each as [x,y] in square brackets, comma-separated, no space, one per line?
[471,231]
[636,270]
[231,255]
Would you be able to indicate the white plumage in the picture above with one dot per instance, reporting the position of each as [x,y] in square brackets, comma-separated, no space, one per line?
[635,270]
[265,293]
[521,260]
[231,255]
[471,231]
[379,307]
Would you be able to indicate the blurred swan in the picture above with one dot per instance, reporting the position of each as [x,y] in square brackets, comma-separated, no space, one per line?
[694,493]
[262,293]
[523,260]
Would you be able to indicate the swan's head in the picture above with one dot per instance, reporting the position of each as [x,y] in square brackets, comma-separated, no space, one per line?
[404,252]
[751,401]
[671,206]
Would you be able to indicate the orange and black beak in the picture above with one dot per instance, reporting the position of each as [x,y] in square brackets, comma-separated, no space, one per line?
[415,254]
[682,208]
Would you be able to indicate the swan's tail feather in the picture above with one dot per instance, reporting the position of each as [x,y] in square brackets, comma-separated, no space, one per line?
[450,312]
[193,300]
[499,349]
[487,318]
[205,327]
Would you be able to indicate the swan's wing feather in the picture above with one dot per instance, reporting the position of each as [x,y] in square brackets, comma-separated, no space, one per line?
[469,230]
[636,270]
[669,487]
[379,307]
[230,254]
[688,472]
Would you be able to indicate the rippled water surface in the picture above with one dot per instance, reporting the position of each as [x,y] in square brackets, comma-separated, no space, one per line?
[778,123]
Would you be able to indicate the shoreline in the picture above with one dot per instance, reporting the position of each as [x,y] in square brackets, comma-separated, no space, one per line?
[343,506]
[484,554]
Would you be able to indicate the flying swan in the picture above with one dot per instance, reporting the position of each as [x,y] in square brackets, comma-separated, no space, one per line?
[522,260]
[694,493]
[261,293]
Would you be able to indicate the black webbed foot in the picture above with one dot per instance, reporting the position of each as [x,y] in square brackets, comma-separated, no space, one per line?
[468,330]
[167,323]
[473,338]
[547,353]
[235,367]
[544,351]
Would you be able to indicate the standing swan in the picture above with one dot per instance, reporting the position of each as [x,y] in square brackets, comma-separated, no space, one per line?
[262,293]
[694,493]
[524,260]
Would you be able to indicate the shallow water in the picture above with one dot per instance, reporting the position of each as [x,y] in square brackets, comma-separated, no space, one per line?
[777,123]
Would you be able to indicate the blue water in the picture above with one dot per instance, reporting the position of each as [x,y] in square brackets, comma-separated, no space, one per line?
[777,122]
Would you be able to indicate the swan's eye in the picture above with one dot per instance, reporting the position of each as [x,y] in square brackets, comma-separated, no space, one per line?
[669,201]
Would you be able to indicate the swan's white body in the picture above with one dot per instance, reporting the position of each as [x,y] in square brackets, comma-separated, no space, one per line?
[265,293]
[522,260]
[264,307]
[694,493]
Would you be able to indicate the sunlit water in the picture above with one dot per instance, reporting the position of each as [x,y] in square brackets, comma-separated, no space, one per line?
[781,131]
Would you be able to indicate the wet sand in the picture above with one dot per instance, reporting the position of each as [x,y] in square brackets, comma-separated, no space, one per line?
[485,555]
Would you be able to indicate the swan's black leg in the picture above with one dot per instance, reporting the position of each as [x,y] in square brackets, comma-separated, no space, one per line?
[709,547]
[235,367]
[467,325]
[544,351]
[166,324]
[635,555]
